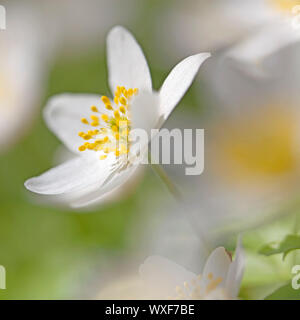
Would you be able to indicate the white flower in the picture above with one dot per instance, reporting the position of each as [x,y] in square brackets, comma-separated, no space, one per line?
[255,28]
[253,165]
[160,278]
[98,128]
[21,73]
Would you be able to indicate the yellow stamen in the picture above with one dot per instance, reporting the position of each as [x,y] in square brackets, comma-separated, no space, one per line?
[108,107]
[87,137]
[104,117]
[82,148]
[123,101]
[117,114]
[84,120]
[105,100]
[116,129]
[94,109]
[94,118]
[122,109]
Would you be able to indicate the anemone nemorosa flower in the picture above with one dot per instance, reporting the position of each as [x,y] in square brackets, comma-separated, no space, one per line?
[161,278]
[98,129]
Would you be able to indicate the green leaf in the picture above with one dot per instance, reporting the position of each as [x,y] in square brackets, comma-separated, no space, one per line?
[284,293]
[289,243]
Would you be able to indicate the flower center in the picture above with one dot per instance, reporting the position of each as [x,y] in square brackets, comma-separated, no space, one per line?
[285,5]
[109,130]
[192,290]
[262,144]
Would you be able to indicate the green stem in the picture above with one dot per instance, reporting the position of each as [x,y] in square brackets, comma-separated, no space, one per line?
[177,195]
[165,179]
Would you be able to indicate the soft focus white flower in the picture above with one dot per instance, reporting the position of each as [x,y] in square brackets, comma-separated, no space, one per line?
[254,28]
[160,278]
[276,29]
[106,156]
[252,167]
[22,58]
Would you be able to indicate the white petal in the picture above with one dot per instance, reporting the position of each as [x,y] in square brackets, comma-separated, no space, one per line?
[125,288]
[178,82]
[161,276]
[250,54]
[217,264]
[112,183]
[145,111]
[82,174]
[236,271]
[64,112]
[127,65]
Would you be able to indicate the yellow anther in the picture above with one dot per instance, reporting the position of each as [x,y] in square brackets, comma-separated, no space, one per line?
[136,91]
[114,128]
[84,120]
[94,118]
[91,146]
[94,109]
[104,156]
[86,137]
[117,125]
[82,148]
[117,114]
[122,109]
[210,276]
[116,100]
[105,100]
[123,101]
[108,107]
[104,117]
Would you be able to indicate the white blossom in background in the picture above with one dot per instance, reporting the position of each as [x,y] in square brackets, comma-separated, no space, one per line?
[23,59]
[247,31]
[98,129]
[252,167]
[161,278]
